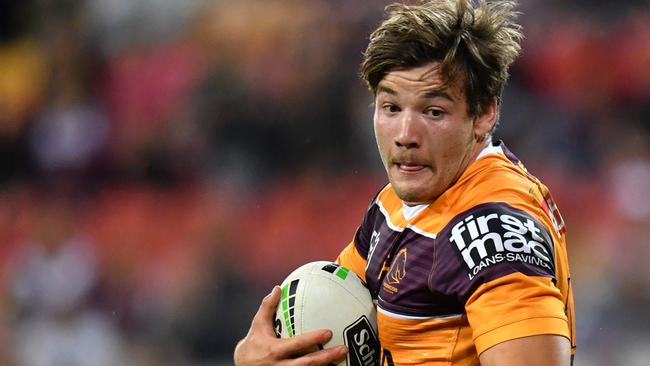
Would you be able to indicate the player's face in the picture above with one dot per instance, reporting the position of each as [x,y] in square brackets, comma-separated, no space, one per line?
[425,136]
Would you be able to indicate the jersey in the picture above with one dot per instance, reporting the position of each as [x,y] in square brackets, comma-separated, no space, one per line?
[486,262]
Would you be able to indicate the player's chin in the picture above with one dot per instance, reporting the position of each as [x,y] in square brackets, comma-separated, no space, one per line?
[412,193]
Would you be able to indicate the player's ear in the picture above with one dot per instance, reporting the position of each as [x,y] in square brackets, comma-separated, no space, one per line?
[485,120]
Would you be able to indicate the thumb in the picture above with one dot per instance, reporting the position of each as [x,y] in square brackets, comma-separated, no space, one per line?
[263,319]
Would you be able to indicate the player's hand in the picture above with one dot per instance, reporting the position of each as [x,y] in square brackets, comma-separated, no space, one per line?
[262,347]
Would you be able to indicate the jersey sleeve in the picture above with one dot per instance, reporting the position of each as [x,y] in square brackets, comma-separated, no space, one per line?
[350,258]
[515,306]
[499,262]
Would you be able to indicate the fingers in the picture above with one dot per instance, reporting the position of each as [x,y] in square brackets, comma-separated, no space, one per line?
[261,347]
[266,311]
[304,341]
[323,357]
[299,344]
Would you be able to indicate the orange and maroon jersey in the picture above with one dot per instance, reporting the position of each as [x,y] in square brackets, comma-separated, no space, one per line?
[484,263]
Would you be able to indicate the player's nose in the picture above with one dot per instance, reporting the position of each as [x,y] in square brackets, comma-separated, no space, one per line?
[407,133]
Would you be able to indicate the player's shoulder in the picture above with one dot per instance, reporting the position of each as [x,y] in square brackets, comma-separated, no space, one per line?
[494,221]
[496,170]
[489,241]
[391,206]
[496,176]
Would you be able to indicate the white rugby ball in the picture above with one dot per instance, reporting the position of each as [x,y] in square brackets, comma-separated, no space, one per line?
[325,295]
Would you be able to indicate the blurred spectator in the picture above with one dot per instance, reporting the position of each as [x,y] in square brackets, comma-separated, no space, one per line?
[51,278]
[68,137]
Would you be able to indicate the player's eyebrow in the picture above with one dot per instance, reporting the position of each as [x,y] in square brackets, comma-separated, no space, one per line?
[429,94]
[437,93]
[385,89]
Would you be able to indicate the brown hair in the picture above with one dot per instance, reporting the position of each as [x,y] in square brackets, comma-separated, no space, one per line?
[476,43]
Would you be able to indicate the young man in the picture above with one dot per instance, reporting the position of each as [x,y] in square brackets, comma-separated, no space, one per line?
[476,243]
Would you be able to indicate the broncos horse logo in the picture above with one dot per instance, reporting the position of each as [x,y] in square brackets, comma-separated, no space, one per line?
[398,268]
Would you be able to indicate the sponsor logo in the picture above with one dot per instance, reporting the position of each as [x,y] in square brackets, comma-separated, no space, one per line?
[490,236]
[397,271]
[362,343]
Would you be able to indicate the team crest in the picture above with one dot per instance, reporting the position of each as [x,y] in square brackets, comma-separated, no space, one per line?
[397,271]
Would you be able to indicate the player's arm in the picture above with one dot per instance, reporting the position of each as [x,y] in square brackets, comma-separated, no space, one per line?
[352,259]
[539,350]
[503,260]
[262,347]
[531,328]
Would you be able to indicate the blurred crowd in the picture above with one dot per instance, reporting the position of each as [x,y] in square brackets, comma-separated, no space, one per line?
[164,163]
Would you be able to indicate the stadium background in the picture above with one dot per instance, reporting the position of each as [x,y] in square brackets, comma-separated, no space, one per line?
[163,163]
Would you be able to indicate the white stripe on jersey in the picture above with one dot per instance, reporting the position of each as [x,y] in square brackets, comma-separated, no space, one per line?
[410,212]
[421,232]
[387,216]
[394,227]
[490,149]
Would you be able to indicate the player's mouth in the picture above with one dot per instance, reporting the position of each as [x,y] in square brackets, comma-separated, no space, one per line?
[409,167]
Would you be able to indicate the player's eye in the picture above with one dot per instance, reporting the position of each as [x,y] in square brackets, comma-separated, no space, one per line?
[436,113]
[391,108]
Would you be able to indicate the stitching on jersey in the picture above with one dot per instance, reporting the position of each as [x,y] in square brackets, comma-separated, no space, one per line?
[517,321]
[455,342]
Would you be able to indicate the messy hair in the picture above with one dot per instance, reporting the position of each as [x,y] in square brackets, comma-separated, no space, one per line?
[474,42]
